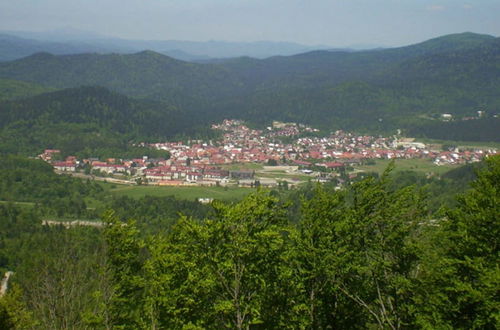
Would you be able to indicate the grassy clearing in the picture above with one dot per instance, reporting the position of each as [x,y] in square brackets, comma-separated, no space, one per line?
[417,165]
[189,193]
[461,144]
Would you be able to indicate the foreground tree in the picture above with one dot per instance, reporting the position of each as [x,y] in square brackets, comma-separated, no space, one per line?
[315,261]
[378,251]
[14,314]
[244,246]
[465,275]
[222,272]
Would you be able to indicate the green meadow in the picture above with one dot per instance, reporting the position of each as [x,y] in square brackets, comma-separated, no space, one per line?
[189,193]
[417,165]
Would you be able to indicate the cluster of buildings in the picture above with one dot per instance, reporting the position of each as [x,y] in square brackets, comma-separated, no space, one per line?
[109,166]
[296,145]
[157,171]
[241,144]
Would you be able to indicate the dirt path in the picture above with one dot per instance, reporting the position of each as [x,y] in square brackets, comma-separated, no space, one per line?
[74,223]
[5,283]
[97,178]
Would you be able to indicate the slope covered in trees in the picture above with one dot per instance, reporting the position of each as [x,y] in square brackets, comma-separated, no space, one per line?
[14,89]
[146,74]
[86,120]
[369,256]
[378,90]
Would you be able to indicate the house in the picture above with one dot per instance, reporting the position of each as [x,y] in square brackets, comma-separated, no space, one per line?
[302,163]
[108,168]
[48,153]
[215,174]
[193,176]
[64,166]
[333,165]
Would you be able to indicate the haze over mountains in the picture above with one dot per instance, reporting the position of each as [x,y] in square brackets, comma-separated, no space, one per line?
[18,44]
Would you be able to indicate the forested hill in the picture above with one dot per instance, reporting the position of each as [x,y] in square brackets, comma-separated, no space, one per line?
[334,67]
[149,73]
[14,89]
[146,74]
[378,90]
[87,118]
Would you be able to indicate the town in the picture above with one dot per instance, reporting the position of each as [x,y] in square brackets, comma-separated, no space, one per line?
[287,153]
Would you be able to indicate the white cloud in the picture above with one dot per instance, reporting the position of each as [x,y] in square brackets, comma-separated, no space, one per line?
[435,8]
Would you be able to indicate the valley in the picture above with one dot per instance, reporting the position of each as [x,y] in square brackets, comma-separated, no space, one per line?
[284,153]
[302,188]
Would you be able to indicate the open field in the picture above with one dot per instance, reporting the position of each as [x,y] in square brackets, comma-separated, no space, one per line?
[189,193]
[417,165]
[462,144]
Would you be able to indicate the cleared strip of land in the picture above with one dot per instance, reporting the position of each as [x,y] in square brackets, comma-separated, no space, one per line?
[5,283]
[74,223]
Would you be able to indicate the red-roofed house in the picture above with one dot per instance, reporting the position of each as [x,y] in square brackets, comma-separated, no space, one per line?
[65,166]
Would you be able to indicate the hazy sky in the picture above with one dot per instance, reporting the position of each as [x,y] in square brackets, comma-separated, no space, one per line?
[329,22]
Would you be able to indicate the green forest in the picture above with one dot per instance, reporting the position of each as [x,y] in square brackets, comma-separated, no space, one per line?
[91,122]
[377,91]
[375,255]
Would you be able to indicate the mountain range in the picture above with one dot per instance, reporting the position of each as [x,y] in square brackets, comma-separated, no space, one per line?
[18,44]
[377,91]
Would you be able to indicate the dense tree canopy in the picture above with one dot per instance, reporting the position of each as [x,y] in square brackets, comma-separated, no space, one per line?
[369,256]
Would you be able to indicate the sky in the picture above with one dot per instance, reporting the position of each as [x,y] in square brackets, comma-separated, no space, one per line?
[311,22]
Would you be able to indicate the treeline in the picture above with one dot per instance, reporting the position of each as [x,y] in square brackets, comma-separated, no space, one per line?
[370,256]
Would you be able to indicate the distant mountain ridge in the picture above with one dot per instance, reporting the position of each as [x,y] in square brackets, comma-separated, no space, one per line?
[15,45]
[377,90]
[12,47]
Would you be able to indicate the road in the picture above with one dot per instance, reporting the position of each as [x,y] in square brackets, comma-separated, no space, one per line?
[74,223]
[97,178]
[5,283]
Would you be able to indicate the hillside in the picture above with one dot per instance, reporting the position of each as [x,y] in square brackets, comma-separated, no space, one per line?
[378,90]
[89,120]
[146,75]
[322,67]
[13,89]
